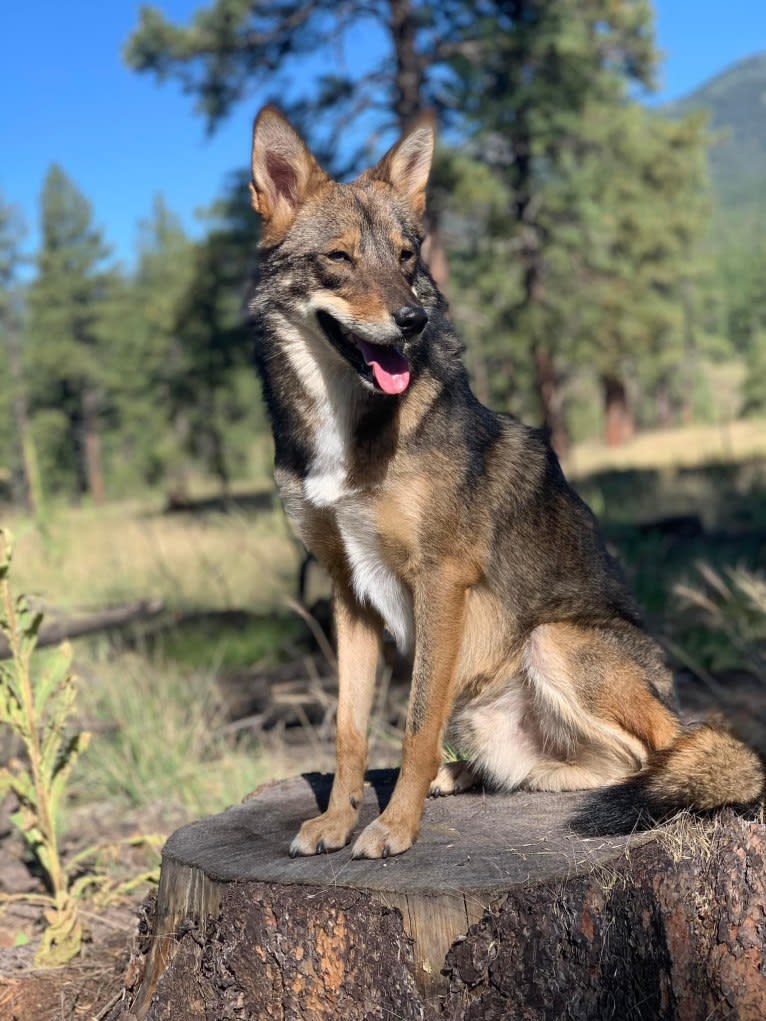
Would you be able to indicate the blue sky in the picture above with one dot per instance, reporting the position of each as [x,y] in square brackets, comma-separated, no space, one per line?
[68,97]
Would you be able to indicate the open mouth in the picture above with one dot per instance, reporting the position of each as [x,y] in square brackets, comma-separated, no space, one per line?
[381,366]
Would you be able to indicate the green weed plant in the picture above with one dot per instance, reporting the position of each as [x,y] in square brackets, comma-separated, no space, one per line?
[36,703]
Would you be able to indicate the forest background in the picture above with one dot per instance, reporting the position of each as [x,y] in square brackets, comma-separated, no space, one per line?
[604,258]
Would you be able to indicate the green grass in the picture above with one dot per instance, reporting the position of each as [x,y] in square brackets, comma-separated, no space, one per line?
[728,499]
[149,693]
[728,605]
[159,738]
[223,640]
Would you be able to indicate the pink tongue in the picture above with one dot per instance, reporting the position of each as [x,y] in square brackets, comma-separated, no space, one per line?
[390,368]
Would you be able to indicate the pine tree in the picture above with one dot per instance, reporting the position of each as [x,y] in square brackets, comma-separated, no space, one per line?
[144,443]
[234,49]
[213,392]
[13,405]
[742,269]
[551,202]
[546,73]
[641,273]
[68,341]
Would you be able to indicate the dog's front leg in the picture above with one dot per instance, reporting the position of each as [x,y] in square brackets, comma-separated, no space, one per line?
[439,605]
[359,633]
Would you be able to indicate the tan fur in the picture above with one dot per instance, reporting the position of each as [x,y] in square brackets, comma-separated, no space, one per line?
[706,768]
[486,661]
[358,649]
[440,613]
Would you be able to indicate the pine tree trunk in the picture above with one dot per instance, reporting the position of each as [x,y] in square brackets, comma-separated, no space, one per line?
[663,405]
[435,254]
[220,465]
[619,426]
[551,403]
[94,474]
[408,104]
[32,485]
[546,375]
[408,100]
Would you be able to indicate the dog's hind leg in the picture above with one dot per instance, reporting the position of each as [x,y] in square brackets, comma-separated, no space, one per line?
[453,778]
[359,633]
[597,698]
[552,775]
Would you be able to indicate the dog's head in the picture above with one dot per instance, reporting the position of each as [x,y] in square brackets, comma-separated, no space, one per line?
[345,258]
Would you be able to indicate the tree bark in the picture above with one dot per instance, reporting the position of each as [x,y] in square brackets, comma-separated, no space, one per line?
[663,405]
[498,911]
[551,403]
[619,426]
[675,932]
[220,466]
[32,485]
[409,87]
[94,473]
[408,81]
[435,254]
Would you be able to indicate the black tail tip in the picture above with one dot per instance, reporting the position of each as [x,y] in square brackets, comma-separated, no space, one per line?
[614,811]
[626,808]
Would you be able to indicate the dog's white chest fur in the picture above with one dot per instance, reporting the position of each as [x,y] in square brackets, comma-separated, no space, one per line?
[326,486]
[374,582]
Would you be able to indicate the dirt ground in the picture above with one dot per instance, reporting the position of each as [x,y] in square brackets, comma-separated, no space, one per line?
[87,987]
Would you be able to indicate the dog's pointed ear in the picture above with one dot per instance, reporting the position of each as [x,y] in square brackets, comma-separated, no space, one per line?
[284,171]
[407,164]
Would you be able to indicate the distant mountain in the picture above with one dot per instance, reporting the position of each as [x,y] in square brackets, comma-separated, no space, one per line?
[735,100]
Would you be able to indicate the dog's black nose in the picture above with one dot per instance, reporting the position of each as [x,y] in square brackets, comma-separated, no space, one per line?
[411,319]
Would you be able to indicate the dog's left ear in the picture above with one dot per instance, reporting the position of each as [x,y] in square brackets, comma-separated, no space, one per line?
[407,164]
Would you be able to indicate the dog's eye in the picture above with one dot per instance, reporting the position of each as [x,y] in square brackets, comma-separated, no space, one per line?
[406,255]
[338,256]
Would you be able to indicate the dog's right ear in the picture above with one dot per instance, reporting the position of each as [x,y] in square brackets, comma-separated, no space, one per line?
[284,171]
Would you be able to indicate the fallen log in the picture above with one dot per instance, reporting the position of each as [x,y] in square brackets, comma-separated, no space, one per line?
[498,911]
[59,629]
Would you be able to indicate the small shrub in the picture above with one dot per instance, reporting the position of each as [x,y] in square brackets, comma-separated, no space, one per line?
[36,704]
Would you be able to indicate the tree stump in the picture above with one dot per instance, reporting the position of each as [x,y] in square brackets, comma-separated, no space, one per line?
[498,911]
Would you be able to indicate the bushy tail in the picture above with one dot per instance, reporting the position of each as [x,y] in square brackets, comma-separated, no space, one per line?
[705,768]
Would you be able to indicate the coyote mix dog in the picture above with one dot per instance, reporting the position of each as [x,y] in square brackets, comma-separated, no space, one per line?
[449,525]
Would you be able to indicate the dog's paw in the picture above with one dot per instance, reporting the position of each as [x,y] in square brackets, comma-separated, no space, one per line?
[321,835]
[381,839]
[452,778]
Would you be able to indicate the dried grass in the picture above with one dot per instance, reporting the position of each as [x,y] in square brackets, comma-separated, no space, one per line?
[684,447]
[108,555]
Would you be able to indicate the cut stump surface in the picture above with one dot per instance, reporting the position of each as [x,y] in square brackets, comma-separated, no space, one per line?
[498,911]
